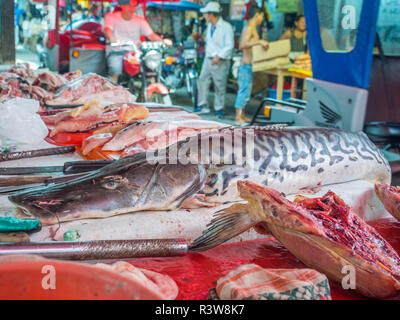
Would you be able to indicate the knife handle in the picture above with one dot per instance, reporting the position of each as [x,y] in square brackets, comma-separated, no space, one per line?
[84,166]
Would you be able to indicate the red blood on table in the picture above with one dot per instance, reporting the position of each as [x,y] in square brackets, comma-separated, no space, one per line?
[196,273]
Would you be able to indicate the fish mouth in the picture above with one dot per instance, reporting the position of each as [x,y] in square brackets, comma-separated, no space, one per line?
[23,213]
[31,208]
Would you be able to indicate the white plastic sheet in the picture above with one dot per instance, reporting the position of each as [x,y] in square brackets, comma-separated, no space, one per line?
[20,122]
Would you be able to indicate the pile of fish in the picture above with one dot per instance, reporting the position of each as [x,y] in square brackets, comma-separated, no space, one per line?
[53,89]
[149,134]
[204,169]
[127,128]
[95,116]
[90,87]
[19,81]
[52,81]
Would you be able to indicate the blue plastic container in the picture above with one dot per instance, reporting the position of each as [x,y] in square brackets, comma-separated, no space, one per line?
[272,94]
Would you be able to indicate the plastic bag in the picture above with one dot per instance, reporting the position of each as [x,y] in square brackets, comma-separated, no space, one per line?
[20,122]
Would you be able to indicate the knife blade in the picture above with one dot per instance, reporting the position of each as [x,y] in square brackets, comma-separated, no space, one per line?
[44,181]
[13,189]
[36,153]
[71,167]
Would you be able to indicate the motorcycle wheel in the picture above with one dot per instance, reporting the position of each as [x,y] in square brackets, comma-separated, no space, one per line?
[43,61]
[193,84]
[133,89]
[161,99]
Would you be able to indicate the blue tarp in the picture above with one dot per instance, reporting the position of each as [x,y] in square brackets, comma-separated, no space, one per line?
[179,5]
[350,68]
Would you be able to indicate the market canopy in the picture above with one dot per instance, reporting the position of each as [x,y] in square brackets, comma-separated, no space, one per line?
[182,5]
[141,1]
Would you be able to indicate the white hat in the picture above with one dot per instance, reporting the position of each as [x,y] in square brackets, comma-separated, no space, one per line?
[211,7]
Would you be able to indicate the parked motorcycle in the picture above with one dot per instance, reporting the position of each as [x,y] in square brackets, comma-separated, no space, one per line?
[182,70]
[142,69]
[41,50]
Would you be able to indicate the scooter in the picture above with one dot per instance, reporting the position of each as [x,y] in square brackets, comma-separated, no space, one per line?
[141,70]
[41,50]
[182,69]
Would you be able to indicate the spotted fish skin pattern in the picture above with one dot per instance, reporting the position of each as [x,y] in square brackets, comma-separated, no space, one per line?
[290,159]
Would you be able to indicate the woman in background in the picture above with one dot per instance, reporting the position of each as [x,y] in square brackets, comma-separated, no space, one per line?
[297,36]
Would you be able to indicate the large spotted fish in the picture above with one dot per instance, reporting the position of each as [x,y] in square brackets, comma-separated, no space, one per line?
[204,169]
[293,158]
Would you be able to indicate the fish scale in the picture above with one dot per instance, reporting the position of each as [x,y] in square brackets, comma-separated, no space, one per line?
[210,164]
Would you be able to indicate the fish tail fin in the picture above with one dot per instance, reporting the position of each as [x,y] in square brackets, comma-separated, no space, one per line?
[227,223]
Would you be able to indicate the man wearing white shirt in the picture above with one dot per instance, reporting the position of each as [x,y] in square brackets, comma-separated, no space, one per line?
[123,26]
[219,46]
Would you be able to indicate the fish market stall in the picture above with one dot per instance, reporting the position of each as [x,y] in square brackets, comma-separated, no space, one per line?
[188,202]
[196,273]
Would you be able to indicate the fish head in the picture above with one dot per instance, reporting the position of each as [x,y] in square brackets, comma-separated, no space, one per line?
[270,206]
[112,190]
[70,201]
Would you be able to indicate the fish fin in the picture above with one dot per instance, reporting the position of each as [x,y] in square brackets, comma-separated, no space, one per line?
[226,224]
[198,201]
[194,187]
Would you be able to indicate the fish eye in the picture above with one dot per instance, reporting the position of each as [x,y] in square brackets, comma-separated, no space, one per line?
[110,184]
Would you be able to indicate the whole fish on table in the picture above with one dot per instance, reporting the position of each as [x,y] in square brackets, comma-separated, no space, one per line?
[324,233]
[206,170]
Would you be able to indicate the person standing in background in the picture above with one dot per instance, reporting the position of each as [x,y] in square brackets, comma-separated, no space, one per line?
[297,36]
[219,46]
[249,39]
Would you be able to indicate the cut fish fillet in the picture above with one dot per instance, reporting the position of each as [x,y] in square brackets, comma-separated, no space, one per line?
[390,197]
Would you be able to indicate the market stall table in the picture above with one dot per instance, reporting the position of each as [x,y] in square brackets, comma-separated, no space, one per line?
[298,74]
[197,273]
[280,72]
